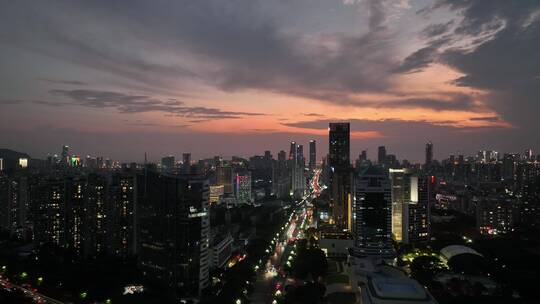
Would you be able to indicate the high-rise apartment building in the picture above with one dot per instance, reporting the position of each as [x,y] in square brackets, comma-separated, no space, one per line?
[296,166]
[123,214]
[174,232]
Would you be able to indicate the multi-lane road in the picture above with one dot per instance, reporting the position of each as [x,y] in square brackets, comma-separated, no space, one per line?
[27,292]
[271,278]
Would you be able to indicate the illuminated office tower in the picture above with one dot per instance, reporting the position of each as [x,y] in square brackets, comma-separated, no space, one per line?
[65,156]
[224,176]
[174,232]
[373,224]
[410,206]
[340,175]
[312,154]
[400,182]
[416,212]
[216,194]
[242,187]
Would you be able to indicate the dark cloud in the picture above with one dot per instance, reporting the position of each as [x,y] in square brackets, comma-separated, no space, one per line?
[8,101]
[486,118]
[141,123]
[496,46]
[507,64]
[126,103]
[450,102]
[423,57]
[66,82]
[386,126]
[235,43]
[434,30]
[313,114]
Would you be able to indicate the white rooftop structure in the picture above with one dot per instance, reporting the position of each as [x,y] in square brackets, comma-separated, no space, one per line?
[451,251]
[385,290]
[378,283]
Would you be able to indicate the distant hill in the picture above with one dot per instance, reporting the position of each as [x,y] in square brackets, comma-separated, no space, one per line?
[10,154]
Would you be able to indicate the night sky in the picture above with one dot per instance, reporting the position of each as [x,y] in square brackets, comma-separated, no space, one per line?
[231,77]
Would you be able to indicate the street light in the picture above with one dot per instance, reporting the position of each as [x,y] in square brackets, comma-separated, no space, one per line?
[238,301]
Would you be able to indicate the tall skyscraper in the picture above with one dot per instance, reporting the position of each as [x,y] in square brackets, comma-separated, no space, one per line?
[49,209]
[339,145]
[300,154]
[174,232]
[167,162]
[340,175]
[242,187]
[65,156]
[416,212]
[224,176]
[373,225]
[400,184]
[186,163]
[292,151]
[312,154]
[296,166]
[381,159]
[76,188]
[429,154]
[281,184]
[410,206]
[96,229]
[363,155]
[123,214]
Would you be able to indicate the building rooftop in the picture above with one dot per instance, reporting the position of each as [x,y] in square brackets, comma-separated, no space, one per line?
[397,289]
[451,251]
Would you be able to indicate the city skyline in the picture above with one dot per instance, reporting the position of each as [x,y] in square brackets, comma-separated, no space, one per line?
[238,78]
[269,152]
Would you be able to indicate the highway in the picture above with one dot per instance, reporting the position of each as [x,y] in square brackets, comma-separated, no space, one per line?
[29,293]
[271,278]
